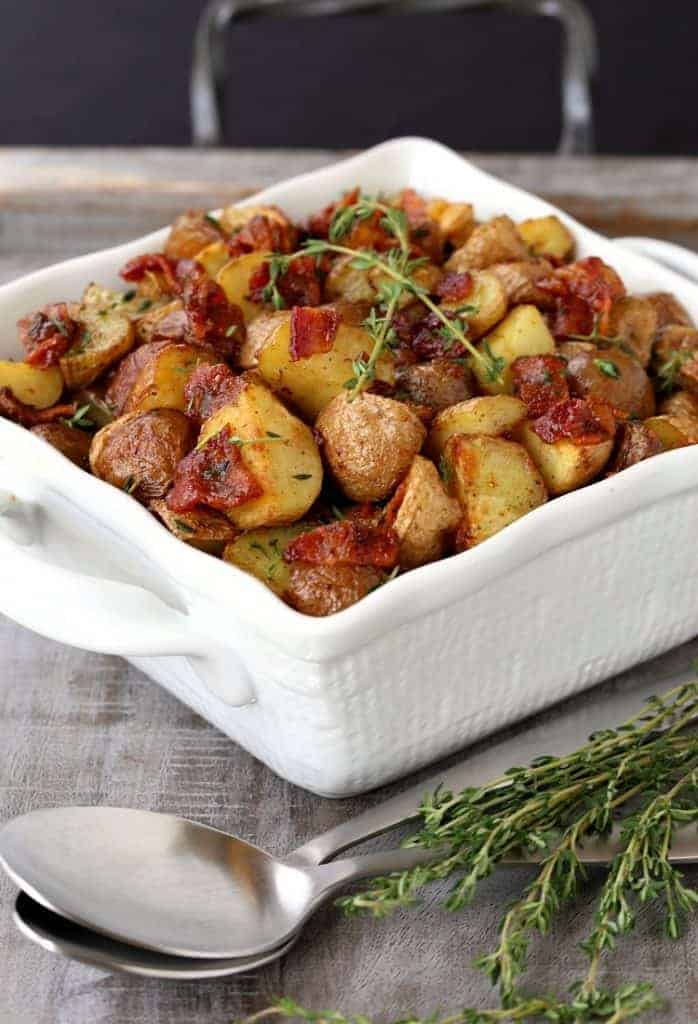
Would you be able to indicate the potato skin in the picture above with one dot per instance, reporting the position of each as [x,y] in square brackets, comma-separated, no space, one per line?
[139,452]
[489,415]
[495,241]
[189,234]
[630,392]
[202,528]
[669,310]
[326,589]
[519,279]
[71,442]
[683,404]
[637,442]
[438,384]
[426,515]
[369,443]
[636,322]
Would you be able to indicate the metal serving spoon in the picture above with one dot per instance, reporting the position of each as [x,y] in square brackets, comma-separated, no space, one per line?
[58,935]
[183,889]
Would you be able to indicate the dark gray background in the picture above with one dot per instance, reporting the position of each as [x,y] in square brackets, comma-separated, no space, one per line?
[80,72]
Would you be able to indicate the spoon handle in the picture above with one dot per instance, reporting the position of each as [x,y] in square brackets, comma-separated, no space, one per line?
[557,734]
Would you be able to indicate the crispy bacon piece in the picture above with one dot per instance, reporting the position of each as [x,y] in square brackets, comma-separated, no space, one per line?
[214,476]
[153,263]
[300,285]
[47,334]
[540,382]
[27,416]
[584,292]
[264,234]
[312,331]
[576,420]
[455,287]
[425,337]
[348,542]
[211,319]
[210,388]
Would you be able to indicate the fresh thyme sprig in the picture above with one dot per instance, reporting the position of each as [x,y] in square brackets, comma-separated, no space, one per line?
[393,220]
[668,372]
[595,336]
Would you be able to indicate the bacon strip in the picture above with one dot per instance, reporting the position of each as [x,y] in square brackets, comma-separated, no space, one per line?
[47,334]
[214,476]
[576,420]
[348,542]
[312,331]
[540,382]
[208,389]
[584,292]
[27,416]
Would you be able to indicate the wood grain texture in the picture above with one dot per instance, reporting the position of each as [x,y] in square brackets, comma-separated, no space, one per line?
[83,728]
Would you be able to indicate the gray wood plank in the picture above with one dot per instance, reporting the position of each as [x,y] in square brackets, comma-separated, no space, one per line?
[83,728]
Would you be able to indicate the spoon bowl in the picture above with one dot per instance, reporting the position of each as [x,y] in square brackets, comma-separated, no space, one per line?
[57,934]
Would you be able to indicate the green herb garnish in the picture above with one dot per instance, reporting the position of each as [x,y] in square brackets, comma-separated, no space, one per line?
[607,367]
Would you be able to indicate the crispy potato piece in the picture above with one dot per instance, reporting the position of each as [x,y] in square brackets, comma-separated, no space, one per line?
[311,383]
[438,384]
[675,357]
[673,431]
[327,589]
[547,236]
[682,404]
[488,414]
[233,218]
[426,515]
[259,332]
[31,385]
[669,310]
[166,322]
[139,452]
[213,257]
[260,553]
[635,322]
[161,379]
[609,375]
[234,279]
[369,443]
[455,220]
[565,465]
[130,303]
[495,482]
[637,442]
[71,442]
[519,280]
[489,298]
[203,528]
[495,241]
[289,470]
[523,332]
[188,235]
[352,285]
[106,335]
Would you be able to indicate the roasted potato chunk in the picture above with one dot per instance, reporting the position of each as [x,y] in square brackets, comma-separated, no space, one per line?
[167,322]
[277,448]
[673,431]
[163,375]
[523,332]
[233,218]
[608,375]
[347,283]
[635,323]
[310,383]
[105,336]
[495,482]
[213,258]
[438,384]
[547,236]
[489,299]
[71,442]
[259,332]
[234,279]
[31,385]
[202,528]
[369,443]
[520,278]
[565,465]
[261,554]
[190,232]
[455,220]
[139,452]
[327,589]
[682,404]
[495,241]
[669,310]
[489,414]
[636,442]
[426,515]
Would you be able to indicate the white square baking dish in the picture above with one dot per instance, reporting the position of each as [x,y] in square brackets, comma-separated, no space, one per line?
[577,590]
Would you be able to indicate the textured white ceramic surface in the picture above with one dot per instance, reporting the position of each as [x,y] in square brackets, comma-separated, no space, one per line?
[577,590]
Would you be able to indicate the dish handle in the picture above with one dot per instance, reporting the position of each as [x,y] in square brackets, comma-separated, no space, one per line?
[101,614]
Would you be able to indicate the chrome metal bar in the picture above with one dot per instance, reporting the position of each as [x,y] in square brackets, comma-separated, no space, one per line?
[579,59]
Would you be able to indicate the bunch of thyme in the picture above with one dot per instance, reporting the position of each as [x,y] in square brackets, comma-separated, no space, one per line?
[640,780]
[395,271]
